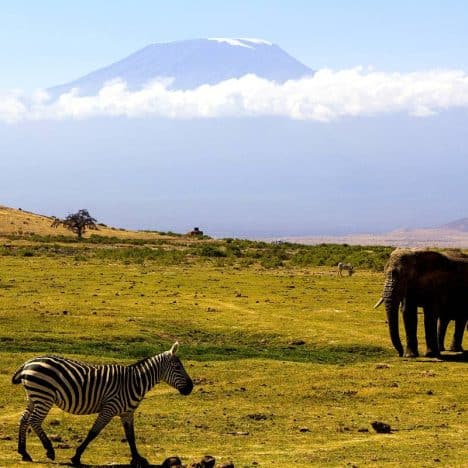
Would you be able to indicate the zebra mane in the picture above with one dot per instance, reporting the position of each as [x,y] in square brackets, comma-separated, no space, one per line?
[141,361]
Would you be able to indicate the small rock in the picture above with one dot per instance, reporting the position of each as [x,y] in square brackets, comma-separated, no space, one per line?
[174,462]
[257,416]
[297,342]
[55,438]
[207,461]
[304,429]
[363,429]
[227,465]
[239,433]
[54,422]
[429,392]
[6,437]
[63,446]
[381,427]
[382,365]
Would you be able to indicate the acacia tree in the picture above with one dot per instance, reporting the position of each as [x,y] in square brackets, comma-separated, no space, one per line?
[77,222]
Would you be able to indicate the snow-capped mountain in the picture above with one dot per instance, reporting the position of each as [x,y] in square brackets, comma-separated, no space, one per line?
[192,63]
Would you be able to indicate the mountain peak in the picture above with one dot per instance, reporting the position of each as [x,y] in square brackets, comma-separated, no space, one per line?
[192,63]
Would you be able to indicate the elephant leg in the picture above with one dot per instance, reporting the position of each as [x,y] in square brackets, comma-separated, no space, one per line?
[430,327]
[457,342]
[441,332]
[410,319]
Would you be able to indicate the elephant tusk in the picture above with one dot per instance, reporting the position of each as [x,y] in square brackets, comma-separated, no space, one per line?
[379,302]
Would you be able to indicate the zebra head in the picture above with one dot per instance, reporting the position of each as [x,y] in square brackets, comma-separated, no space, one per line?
[175,374]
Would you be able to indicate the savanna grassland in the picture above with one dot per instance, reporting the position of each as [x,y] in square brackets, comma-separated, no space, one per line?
[291,363]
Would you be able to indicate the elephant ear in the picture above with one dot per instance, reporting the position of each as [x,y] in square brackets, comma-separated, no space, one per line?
[175,348]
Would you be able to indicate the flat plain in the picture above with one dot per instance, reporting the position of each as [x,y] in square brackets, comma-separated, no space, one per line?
[291,363]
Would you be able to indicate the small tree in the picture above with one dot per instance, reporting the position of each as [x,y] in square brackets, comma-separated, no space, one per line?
[77,222]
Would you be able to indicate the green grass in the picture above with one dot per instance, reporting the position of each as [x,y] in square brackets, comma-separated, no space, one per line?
[239,328]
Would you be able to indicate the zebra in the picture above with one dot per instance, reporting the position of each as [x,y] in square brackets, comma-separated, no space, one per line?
[79,388]
[345,266]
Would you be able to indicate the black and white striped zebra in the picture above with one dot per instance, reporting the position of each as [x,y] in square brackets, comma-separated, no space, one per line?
[345,266]
[79,388]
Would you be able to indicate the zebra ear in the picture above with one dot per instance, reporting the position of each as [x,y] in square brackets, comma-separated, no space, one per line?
[174,348]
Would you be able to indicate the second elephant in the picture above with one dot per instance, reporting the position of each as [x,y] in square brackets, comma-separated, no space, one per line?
[436,282]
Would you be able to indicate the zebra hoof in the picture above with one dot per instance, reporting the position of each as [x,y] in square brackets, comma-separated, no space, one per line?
[27,457]
[51,454]
[76,461]
[139,462]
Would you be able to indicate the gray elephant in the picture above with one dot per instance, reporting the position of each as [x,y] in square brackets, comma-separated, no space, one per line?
[460,322]
[457,340]
[434,281]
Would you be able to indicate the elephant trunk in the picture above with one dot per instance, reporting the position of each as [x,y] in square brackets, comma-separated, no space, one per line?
[392,304]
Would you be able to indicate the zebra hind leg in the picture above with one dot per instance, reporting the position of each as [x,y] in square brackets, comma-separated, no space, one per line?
[35,420]
[23,428]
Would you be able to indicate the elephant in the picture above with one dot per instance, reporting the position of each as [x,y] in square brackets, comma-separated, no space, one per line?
[457,340]
[460,322]
[436,282]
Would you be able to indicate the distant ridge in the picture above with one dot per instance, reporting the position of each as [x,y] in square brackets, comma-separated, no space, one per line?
[457,225]
[192,63]
[450,235]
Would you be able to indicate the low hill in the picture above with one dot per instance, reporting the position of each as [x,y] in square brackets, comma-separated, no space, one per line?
[23,223]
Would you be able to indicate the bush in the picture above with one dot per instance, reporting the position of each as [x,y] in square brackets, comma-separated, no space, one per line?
[210,250]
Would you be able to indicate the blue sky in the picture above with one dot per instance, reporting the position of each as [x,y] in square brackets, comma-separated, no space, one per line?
[53,41]
[347,150]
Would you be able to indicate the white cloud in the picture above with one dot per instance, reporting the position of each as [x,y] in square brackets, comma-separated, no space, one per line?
[326,96]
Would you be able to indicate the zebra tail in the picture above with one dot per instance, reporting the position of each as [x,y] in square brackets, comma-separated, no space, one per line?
[16,379]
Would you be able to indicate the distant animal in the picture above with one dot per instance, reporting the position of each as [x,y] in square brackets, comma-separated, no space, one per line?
[79,388]
[345,266]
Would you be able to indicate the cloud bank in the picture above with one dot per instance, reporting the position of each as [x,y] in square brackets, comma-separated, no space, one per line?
[326,96]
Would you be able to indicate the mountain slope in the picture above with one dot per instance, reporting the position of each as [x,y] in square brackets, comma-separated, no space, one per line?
[192,63]
[457,225]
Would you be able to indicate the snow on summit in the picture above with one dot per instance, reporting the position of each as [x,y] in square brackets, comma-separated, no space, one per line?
[241,42]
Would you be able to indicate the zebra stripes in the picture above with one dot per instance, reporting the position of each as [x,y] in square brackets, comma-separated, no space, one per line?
[345,266]
[79,388]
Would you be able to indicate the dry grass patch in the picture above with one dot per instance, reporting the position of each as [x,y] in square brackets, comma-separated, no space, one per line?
[291,365]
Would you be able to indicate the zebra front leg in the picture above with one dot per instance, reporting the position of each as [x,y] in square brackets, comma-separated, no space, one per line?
[23,428]
[101,422]
[35,420]
[128,424]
